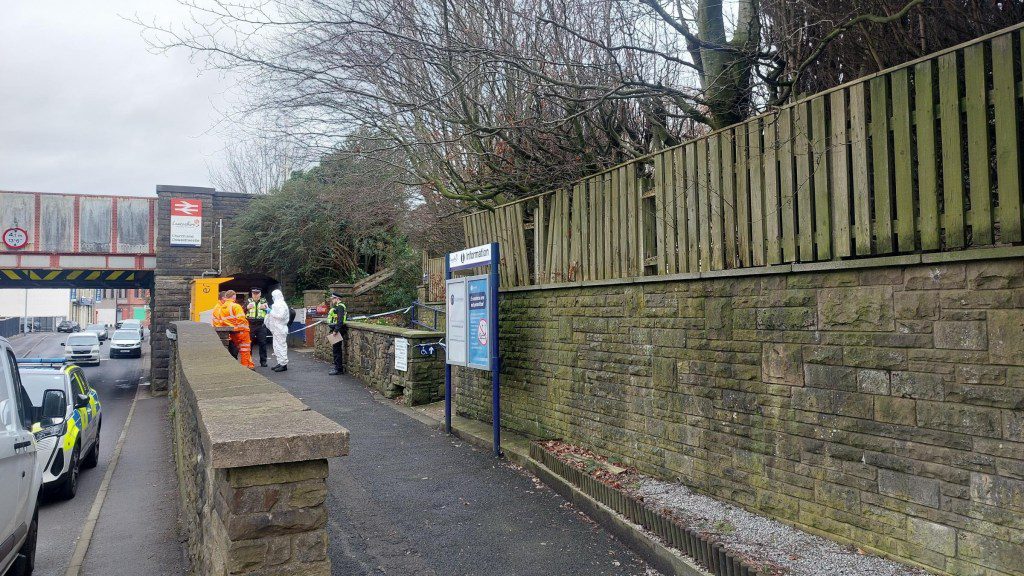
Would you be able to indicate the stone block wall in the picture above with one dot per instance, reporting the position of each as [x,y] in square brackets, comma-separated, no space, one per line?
[880,406]
[252,465]
[370,357]
[177,265]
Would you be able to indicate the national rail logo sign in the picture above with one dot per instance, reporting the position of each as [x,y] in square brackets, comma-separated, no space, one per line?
[186,222]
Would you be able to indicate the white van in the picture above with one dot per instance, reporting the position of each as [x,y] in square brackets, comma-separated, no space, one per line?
[20,477]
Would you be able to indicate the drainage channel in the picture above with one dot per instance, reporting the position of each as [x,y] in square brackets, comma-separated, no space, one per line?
[709,554]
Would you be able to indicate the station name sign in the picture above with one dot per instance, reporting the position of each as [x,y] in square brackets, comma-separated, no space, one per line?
[186,222]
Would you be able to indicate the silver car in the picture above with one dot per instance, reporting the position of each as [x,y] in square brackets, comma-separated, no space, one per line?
[82,348]
[126,343]
[99,329]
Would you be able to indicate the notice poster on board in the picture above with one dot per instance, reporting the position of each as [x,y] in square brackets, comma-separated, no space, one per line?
[456,317]
[401,354]
[479,335]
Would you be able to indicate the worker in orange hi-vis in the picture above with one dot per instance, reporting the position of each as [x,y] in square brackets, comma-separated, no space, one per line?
[219,321]
[232,314]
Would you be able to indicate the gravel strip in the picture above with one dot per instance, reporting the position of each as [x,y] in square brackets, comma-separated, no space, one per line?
[789,550]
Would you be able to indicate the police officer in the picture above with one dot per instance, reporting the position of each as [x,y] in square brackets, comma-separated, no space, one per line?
[336,318]
[255,311]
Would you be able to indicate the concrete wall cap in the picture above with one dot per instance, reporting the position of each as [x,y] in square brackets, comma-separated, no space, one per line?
[245,419]
[395,330]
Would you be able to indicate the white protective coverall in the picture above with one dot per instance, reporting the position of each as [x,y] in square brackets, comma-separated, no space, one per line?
[277,323]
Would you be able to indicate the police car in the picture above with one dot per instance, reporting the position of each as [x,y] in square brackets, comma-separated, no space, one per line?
[69,419]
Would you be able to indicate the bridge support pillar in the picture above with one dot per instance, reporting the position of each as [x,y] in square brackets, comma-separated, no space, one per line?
[176,266]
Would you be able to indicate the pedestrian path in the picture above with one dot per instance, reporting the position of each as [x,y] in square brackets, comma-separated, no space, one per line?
[136,532]
[411,500]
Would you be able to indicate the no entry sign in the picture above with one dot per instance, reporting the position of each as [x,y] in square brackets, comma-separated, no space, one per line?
[186,222]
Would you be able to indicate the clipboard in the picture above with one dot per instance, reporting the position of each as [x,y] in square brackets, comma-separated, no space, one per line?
[334,338]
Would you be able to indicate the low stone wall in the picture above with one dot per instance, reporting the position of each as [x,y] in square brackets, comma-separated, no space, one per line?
[251,462]
[881,406]
[370,356]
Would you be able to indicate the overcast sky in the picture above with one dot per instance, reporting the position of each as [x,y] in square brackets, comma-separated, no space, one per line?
[86,108]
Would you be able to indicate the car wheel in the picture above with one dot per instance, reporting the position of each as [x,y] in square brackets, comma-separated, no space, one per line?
[94,454]
[26,560]
[69,485]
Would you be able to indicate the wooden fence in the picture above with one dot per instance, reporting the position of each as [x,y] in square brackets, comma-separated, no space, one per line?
[921,157]
[433,278]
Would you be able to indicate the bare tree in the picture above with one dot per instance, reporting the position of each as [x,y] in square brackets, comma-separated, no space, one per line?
[489,99]
[255,166]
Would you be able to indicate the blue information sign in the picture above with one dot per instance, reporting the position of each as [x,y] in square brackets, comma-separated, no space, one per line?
[479,329]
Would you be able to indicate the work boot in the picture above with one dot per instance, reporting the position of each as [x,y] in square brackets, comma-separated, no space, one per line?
[263,363]
[280,368]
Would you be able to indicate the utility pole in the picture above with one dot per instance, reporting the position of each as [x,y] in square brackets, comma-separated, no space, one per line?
[25,319]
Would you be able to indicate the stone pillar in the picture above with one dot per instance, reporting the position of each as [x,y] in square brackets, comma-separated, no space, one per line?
[175,266]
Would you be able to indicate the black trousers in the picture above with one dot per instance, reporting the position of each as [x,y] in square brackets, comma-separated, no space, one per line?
[258,337]
[338,351]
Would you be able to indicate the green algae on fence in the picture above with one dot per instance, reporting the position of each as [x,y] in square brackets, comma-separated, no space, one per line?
[903,161]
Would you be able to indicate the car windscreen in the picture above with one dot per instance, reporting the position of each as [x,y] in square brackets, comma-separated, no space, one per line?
[82,340]
[36,383]
[126,335]
[130,324]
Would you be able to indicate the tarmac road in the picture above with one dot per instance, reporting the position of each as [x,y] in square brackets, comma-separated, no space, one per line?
[116,381]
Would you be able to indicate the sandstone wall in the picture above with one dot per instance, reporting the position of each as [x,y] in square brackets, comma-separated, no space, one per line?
[370,357]
[881,406]
[252,465]
[177,265]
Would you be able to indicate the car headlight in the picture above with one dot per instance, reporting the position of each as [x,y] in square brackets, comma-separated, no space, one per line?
[96,349]
[52,431]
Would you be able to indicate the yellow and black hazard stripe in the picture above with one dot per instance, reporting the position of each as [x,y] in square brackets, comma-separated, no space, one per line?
[35,278]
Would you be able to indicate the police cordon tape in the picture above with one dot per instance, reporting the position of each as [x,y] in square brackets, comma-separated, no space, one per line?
[363,317]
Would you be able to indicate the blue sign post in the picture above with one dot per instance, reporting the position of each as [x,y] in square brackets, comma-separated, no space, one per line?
[472,326]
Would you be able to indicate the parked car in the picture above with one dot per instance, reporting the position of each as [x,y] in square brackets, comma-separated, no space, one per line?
[132,324]
[82,348]
[99,329]
[68,326]
[126,343]
[19,473]
[69,419]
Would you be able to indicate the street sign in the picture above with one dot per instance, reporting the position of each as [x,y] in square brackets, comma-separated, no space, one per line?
[15,238]
[186,222]
[455,317]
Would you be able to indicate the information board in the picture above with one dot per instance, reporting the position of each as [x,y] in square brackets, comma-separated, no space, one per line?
[455,318]
[479,333]
[401,354]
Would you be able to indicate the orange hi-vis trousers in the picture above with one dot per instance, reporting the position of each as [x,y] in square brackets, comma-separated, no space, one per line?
[241,340]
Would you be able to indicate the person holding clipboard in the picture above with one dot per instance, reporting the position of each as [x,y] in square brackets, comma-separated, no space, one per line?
[336,329]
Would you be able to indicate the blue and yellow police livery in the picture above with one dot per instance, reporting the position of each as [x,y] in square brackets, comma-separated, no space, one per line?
[67,413]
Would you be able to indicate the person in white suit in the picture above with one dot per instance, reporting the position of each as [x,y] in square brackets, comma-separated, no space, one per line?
[277,323]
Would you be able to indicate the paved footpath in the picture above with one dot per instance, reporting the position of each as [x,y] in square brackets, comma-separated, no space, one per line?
[411,500]
[137,531]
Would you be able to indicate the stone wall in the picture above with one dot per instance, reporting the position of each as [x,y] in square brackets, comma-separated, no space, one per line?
[177,265]
[370,357]
[882,406]
[252,465]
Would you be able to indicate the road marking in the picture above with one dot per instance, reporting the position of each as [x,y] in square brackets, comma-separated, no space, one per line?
[85,538]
